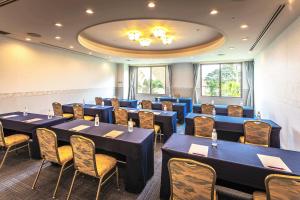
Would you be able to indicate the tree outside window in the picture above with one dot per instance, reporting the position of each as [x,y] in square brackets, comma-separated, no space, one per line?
[151,80]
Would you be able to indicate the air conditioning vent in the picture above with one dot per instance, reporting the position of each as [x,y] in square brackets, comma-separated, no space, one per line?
[5,2]
[4,33]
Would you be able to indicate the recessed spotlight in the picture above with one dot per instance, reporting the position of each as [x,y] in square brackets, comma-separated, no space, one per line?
[57,37]
[151,4]
[245,38]
[28,39]
[90,53]
[89,11]
[244,26]
[231,48]
[214,12]
[58,24]
[71,47]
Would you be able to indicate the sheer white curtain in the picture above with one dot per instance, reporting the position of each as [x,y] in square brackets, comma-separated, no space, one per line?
[196,74]
[132,82]
[249,70]
[170,73]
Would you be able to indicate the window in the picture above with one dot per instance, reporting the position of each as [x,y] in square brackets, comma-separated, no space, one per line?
[151,80]
[222,80]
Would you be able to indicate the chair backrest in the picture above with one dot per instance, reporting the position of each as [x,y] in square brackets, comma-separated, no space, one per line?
[282,187]
[203,126]
[57,109]
[2,140]
[78,111]
[146,104]
[168,104]
[207,109]
[146,119]
[257,132]
[84,155]
[192,176]
[115,103]
[235,111]
[98,100]
[177,95]
[121,116]
[48,145]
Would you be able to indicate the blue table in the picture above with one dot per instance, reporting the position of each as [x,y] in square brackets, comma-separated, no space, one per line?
[123,102]
[222,110]
[180,108]
[104,112]
[187,101]
[231,128]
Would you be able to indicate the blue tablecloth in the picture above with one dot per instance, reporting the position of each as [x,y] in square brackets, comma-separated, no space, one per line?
[104,112]
[123,102]
[180,108]
[17,124]
[234,163]
[187,101]
[222,110]
[226,125]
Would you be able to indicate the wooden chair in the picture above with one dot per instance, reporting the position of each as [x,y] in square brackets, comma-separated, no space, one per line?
[146,104]
[58,111]
[50,152]
[168,104]
[203,126]
[257,133]
[235,111]
[191,180]
[87,162]
[207,109]
[115,103]
[13,143]
[98,100]
[79,113]
[280,187]
[147,122]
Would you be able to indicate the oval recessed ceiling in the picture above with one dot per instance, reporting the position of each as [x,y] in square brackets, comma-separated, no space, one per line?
[189,39]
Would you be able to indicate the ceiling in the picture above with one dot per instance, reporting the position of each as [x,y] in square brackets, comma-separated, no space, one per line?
[182,16]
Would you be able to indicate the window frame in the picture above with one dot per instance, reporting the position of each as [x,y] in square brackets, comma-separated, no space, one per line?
[220,80]
[150,93]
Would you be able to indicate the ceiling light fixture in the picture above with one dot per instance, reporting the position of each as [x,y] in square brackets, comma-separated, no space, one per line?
[58,24]
[245,38]
[159,32]
[244,26]
[134,35]
[58,37]
[28,39]
[166,40]
[231,48]
[90,53]
[214,12]
[71,47]
[89,11]
[145,42]
[151,4]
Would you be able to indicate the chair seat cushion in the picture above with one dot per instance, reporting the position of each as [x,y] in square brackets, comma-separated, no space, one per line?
[156,128]
[65,153]
[88,118]
[259,196]
[68,115]
[104,163]
[242,140]
[15,139]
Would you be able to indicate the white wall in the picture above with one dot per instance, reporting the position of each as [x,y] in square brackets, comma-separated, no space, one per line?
[35,76]
[277,84]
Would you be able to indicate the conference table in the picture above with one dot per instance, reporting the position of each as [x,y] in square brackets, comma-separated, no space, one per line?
[165,119]
[136,146]
[235,164]
[123,102]
[187,101]
[231,128]
[15,122]
[222,110]
[180,108]
[104,112]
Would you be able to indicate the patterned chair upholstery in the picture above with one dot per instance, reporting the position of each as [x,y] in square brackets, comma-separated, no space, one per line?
[207,109]
[257,133]
[115,103]
[121,116]
[79,113]
[12,143]
[89,163]
[98,100]
[280,187]
[58,111]
[177,96]
[146,104]
[168,104]
[191,180]
[203,126]
[50,152]
[147,122]
[235,111]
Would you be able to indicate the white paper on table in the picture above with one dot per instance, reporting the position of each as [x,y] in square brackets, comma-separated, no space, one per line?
[32,120]
[113,134]
[274,163]
[200,150]
[156,113]
[94,107]
[79,128]
[9,116]
[132,111]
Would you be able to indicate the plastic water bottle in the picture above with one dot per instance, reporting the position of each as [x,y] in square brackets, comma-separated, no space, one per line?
[214,138]
[158,99]
[177,100]
[212,102]
[97,120]
[49,114]
[25,112]
[242,103]
[130,125]
[102,103]
[165,108]
[214,112]
[258,116]
[83,101]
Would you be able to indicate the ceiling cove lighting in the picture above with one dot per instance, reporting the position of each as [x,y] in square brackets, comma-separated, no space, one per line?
[89,11]
[151,4]
[134,35]
[214,12]
[145,42]
[159,32]
[244,26]
[57,24]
